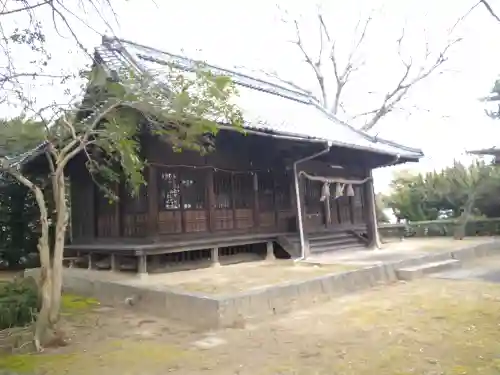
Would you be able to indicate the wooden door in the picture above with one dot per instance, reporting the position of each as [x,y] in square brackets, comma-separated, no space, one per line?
[266,200]
[344,207]
[223,213]
[108,214]
[315,219]
[169,201]
[194,200]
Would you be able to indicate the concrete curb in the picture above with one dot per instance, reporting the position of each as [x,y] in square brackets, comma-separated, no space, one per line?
[215,311]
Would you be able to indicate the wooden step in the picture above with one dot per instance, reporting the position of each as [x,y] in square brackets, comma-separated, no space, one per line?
[411,273]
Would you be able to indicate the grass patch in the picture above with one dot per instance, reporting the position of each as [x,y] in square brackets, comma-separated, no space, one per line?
[74,303]
[125,356]
[29,363]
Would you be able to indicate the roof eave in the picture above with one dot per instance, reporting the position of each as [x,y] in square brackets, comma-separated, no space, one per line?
[373,139]
[404,156]
[492,151]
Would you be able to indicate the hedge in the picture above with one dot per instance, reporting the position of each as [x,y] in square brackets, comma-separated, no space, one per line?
[441,228]
[19,302]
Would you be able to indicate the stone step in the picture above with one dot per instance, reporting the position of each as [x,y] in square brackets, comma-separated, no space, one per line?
[411,273]
[322,236]
[336,247]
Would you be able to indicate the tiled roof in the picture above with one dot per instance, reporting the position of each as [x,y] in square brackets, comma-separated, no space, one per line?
[493,151]
[267,107]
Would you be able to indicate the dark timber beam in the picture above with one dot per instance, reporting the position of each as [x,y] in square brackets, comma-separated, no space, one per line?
[256,209]
[211,199]
[370,214]
[152,191]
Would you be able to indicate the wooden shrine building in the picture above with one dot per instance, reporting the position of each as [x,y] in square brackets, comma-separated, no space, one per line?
[299,181]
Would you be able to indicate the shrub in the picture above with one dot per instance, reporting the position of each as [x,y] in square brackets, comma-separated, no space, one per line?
[19,302]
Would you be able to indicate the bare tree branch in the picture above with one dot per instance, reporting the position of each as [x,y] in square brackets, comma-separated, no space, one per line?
[26,8]
[343,77]
[316,66]
[328,63]
[404,84]
[274,74]
[489,9]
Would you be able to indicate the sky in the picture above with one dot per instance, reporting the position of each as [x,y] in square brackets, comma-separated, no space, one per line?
[443,116]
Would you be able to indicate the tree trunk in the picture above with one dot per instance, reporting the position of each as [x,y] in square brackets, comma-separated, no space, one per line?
[50,283]
[43,323]
[60,233]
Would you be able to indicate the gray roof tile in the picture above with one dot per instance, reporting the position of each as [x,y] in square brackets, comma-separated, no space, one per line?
[266,106]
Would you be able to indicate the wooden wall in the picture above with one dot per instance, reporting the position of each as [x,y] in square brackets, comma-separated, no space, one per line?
[341,212]
[245,186]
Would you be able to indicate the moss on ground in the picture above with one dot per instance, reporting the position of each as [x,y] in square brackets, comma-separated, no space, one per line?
[126,356]
[72,303]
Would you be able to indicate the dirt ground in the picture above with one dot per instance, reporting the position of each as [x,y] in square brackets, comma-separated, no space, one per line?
[397,250]
[430,326]
[434,243]
[241,277]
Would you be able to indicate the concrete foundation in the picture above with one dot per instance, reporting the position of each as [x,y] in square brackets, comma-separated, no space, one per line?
[214,311]
[416,272]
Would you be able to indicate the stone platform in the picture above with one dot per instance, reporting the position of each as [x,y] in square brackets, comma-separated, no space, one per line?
[233,295]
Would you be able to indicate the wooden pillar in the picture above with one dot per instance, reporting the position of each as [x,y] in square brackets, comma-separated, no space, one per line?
[120,209]
[270,251]
[113,263]
[256,209]
[214,257]
[142,265]
[275,203]
[302,200]
[152,191]
[117,223]
[90,264]
[233,201]
[91,216]
[352,209]
[370,213]
[211,200]
[328,211]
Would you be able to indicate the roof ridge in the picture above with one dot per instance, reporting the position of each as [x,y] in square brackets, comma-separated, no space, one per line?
[303,94]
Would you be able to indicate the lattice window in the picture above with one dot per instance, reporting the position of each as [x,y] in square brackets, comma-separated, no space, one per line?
[266,191]
[193,192]
[243,190]
[169,190]
[282,192]
[223,190]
